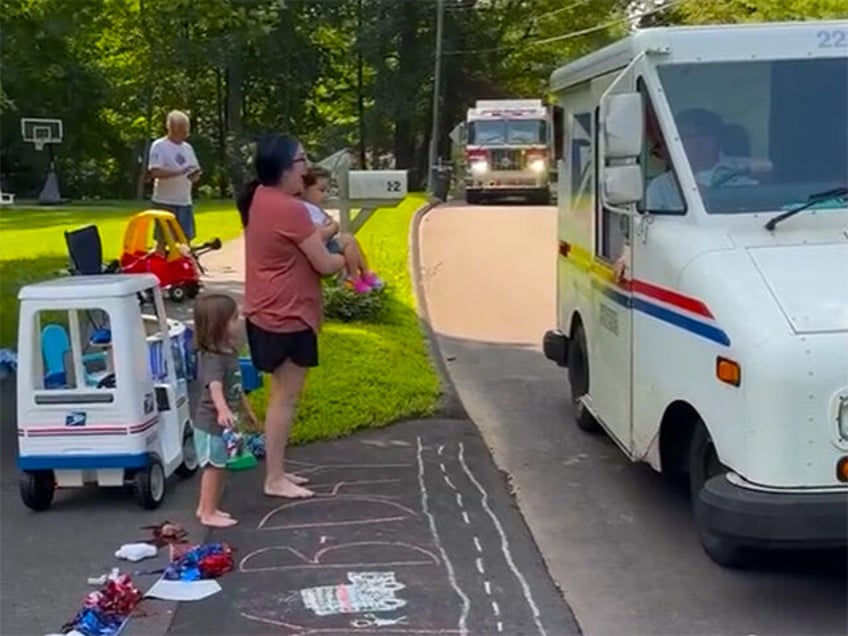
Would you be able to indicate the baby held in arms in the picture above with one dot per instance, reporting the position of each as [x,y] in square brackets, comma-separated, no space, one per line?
[362,279]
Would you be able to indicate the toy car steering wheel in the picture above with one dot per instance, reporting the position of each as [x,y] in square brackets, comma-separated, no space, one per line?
[107,382]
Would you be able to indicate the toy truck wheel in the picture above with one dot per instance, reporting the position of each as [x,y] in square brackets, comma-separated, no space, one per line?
[177,293]
[189,465]
[192,290]
[704,465]
[37,488]
[149,485]
[578,378]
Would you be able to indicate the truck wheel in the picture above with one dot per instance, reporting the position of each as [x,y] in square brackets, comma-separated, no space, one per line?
[149,485]
[578,378]
[703,466]
[189,465]
[177,293]
[37,488]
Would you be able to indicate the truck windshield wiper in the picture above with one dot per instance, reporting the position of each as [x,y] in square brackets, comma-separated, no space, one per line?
[819,197]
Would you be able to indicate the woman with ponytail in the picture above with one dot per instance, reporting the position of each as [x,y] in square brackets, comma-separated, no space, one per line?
[285,258]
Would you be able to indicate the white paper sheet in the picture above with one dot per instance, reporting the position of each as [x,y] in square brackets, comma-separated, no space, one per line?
[183,590]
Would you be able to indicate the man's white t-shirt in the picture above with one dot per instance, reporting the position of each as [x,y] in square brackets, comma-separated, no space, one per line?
[167,155]
[663,194]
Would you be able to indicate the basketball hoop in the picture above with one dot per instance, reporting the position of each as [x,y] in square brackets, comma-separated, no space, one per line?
[45,132]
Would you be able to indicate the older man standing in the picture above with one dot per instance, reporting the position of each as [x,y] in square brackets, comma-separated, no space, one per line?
[174,168]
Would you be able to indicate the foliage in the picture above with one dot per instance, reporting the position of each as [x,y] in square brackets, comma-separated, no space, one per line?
[338,73]
[34,244]
[371,374]
[343,304]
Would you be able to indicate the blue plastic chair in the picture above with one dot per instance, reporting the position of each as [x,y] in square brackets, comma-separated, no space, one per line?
[54,345]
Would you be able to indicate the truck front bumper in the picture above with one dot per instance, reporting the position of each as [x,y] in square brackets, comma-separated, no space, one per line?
[555,346]
[773,519]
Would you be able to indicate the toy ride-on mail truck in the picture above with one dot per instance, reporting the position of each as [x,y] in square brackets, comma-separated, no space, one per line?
[102,389]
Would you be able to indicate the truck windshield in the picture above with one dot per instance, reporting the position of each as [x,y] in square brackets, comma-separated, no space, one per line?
[760,136]
[507,132]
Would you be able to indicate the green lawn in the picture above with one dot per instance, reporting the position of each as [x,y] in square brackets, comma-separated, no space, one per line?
[371,374]
[32,242]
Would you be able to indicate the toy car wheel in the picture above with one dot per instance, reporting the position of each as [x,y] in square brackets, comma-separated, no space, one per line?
[192,290]
[177,293]
[37,488]
[149,485]
[189,465]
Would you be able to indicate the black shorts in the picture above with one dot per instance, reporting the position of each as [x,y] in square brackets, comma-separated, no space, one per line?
[269,350]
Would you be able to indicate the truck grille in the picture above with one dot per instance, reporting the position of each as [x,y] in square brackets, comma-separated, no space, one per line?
[506,159]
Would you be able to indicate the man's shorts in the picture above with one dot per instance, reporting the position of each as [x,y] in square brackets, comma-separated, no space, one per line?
[211,449]
[333,246]
[185,217]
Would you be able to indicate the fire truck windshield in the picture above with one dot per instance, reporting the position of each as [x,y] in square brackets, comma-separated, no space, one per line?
[515,132]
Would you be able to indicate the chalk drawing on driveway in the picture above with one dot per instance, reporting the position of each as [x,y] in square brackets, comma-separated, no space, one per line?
[365,592]
[359,515]
[368,554]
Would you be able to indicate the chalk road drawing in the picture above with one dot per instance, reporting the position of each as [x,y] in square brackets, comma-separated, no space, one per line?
[416,556]
[507,553]
[301,630]
[389,515]
[366,592]
[369,620]
[425,508]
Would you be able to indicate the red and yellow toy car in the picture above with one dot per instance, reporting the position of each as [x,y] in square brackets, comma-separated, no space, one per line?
[155,243]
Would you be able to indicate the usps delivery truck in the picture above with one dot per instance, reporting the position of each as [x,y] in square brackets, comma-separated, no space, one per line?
[702,273]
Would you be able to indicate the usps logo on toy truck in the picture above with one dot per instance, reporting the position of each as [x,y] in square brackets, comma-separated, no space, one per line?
[75,418]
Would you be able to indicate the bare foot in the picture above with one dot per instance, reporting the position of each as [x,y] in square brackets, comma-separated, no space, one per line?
[217,512]
[287,489]
[217,521]
[297,479]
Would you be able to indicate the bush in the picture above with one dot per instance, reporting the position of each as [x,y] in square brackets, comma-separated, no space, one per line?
[343,304]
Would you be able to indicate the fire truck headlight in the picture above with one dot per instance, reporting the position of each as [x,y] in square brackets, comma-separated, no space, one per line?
[480,167]
[538,165]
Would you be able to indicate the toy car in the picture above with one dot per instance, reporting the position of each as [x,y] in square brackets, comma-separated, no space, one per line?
[102,389]
[154,242]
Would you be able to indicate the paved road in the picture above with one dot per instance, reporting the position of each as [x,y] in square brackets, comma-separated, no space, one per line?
[618,541]
[412,532]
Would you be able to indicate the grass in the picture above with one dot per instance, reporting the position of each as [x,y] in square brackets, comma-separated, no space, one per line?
[33,242]
[371,374]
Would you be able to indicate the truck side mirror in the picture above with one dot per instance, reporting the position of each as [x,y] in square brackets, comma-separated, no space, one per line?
[558,131]
[623,125]
[622,184]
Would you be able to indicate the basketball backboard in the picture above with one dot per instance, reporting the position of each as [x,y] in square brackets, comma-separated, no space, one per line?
[41,132]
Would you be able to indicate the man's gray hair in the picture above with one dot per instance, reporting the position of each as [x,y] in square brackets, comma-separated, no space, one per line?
[176,117]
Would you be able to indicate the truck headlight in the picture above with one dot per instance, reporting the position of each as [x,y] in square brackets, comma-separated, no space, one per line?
[538,165]
[480,167]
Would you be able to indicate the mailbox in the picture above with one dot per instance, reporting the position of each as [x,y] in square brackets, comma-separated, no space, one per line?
[376,185]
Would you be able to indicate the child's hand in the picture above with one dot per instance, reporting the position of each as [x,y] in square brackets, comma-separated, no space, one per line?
[226,418]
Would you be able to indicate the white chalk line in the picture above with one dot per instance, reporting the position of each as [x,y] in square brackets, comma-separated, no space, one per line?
[459,500]
[484,501]
[442,466]
[479,563]
[441,448]
[488,587]
[500,626]
[425,508]
[495,609]
[448,481]
[465,518]
[477,545]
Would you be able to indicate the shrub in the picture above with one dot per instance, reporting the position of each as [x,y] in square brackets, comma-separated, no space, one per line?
[343,304]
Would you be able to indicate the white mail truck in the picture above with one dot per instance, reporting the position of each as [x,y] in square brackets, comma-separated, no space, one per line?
[702,270]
